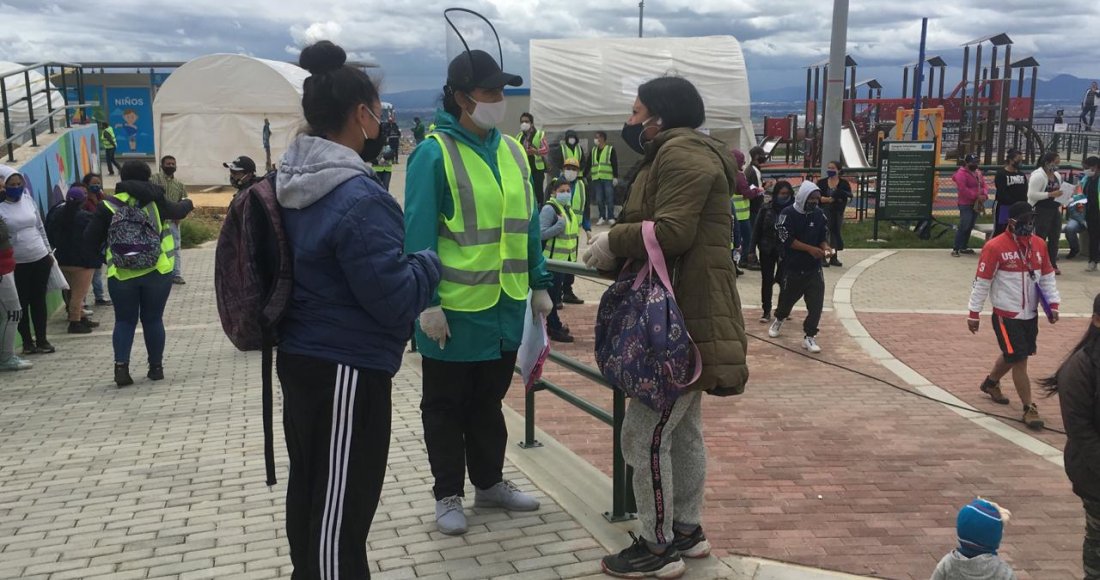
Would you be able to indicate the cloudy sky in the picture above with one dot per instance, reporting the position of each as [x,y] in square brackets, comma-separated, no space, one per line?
[407,38]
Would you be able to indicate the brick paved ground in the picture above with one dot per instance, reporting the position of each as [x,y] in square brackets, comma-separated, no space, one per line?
[891,470]
[166,479]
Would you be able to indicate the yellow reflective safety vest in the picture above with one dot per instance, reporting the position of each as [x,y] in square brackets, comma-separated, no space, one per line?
[536,142]
[601,164]
[483,246]
[564,247]
[383,165]
[167,261]
[580,196]
[577,153]
[740,207]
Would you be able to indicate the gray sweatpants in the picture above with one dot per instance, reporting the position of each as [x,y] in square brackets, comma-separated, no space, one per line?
[10,312]
[669,459]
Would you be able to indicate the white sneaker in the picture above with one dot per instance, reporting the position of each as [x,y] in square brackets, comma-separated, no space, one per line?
[610,222]
[601,222]
[449,516]
[777,325]
[1091,267]
[15,364]
[505,495]
[88,312]
[810,344]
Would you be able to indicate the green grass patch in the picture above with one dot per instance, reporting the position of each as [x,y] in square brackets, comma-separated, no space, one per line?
[901,235]
[198,229]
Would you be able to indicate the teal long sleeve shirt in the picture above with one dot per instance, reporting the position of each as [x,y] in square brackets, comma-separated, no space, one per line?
[475,336]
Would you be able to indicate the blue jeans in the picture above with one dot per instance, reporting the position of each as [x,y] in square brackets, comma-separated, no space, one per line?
[603,191]
[175,227]
[97,284]
[142,298]
[1071,229]
[744,237]
[967,217]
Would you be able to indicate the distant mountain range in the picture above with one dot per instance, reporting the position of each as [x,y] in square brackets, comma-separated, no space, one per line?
[1060,88]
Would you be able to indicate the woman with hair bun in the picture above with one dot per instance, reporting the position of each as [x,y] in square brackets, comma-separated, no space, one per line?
[354,300]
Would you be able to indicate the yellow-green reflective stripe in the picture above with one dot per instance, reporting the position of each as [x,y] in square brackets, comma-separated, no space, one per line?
[521,161]
[462,179]
[474,238]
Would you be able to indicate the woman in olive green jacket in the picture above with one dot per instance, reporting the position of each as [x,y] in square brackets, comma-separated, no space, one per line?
[684,186]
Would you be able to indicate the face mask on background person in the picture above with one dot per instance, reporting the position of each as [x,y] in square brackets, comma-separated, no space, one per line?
[570,174]
[168,170]
[488,115]
[831,173]
[525,126]
[572,142]
[1024,229]
[96,189]
[13,193]
[564,197]
[371,147]
[1090,173]
[812,204]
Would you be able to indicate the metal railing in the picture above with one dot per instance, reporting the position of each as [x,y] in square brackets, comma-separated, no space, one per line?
[623,505]
[49,71]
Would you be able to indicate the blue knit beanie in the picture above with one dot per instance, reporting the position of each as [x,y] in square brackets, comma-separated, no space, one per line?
[980,526]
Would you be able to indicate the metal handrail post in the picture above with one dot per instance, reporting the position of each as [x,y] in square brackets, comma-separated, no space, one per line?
[49,98]
[7,117]
[65,98]
[621,506]
[30,107]
[529,440]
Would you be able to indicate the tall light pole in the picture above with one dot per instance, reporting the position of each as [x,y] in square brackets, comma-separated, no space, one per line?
[834,88]
[641,17]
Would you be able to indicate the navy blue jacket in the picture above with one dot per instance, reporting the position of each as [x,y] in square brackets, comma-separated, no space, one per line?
[356,293]
[809,228]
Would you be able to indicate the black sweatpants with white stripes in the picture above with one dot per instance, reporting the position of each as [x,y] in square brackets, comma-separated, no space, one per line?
[337,425]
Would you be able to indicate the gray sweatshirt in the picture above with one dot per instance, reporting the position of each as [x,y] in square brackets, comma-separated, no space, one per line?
[552,225]
[955,566]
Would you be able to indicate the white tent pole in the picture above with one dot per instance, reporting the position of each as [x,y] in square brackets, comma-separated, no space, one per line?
[834,88]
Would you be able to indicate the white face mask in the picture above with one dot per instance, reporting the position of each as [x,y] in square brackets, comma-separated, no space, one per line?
[488,115]
[1090,172]
[565,198]
[570,175]
[525,126]
[572,142]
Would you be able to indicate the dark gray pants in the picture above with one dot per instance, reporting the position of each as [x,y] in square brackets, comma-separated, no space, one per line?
[1091,549]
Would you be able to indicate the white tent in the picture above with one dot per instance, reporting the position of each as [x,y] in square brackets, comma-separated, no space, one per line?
[590,84]
[212,110]
[16,88]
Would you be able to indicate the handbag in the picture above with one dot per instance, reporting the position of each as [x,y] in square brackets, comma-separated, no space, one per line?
[57,279]
[642,343]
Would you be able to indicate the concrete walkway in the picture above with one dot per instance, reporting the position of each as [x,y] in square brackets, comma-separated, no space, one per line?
[166,480]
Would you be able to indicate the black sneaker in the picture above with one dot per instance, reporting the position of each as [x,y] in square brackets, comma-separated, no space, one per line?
[89,322]
[571,299]
[156,372]
[44,347]
[693,545]
[79,327]
[103,302]
[638,561]
[122,375]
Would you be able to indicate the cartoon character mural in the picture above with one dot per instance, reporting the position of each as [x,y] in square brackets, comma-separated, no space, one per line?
[60,164]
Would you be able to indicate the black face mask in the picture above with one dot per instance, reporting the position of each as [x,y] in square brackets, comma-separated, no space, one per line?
[1024,229]
[169,171]
[812,205]
[1016,164]
[371,149]
[632,135]
[972,166]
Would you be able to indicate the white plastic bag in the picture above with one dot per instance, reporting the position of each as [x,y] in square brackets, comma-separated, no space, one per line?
[534,347]
[57,279]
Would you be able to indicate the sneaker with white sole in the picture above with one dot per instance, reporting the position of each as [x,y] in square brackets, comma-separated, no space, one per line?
[693,545]
[601,222]
[1091,267]
[505,495]
[777,325]
[810,343]
[449,517]
[639,561]
[610,222]
[15,363]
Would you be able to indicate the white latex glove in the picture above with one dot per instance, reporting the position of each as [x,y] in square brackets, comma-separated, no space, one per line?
[541,303]
[434,324]
[598,255]
[615,182]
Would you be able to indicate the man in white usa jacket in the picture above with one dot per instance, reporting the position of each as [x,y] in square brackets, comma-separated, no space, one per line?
[1015,273]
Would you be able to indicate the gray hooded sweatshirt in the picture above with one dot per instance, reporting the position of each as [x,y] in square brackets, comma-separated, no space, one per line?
[955,566]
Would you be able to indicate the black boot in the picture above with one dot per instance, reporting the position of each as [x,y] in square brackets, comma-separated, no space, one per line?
[156,372]
[79,328]
[122,375]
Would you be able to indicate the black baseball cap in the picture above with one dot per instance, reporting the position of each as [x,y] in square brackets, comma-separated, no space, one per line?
[1020,209]
[971,158]
[476,69]
[242,163]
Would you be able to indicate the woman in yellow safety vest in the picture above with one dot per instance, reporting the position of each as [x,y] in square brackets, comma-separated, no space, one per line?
[139,293]
[561,228]
[469,198]
[533,141]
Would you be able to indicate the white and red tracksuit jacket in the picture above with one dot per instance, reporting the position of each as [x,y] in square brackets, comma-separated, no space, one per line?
[1007,281]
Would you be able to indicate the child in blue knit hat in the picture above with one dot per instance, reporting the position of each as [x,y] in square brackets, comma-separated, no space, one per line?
[980,525]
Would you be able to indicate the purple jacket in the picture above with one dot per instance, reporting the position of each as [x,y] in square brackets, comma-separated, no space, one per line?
[971,187]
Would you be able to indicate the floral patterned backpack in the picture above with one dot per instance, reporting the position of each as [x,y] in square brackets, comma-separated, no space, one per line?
[642,344]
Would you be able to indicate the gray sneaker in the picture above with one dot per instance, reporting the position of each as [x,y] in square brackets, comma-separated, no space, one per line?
[15,364]
[449,516]
[505,495]
[777,325]
[1091,267]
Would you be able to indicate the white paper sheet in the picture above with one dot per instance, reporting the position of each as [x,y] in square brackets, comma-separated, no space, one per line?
[1068,191]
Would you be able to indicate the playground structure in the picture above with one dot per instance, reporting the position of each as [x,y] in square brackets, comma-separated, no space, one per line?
[980,115]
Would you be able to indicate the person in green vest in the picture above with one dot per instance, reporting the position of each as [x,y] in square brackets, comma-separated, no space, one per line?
[561,228]
[418,130]
[571,174]
[571,149]
[109,144]
[603,173]
[469,198]
[383,166]
[138,294]
[533,141]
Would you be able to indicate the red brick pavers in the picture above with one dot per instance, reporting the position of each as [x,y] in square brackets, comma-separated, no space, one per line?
[891,469]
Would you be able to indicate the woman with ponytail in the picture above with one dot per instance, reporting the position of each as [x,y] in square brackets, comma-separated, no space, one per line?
[1077,384]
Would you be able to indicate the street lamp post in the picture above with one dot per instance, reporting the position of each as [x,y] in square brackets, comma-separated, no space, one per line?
[641,17]
[834,88]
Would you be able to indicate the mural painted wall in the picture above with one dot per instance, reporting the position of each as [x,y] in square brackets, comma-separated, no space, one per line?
[65,161]
[130,112]
[92,93]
